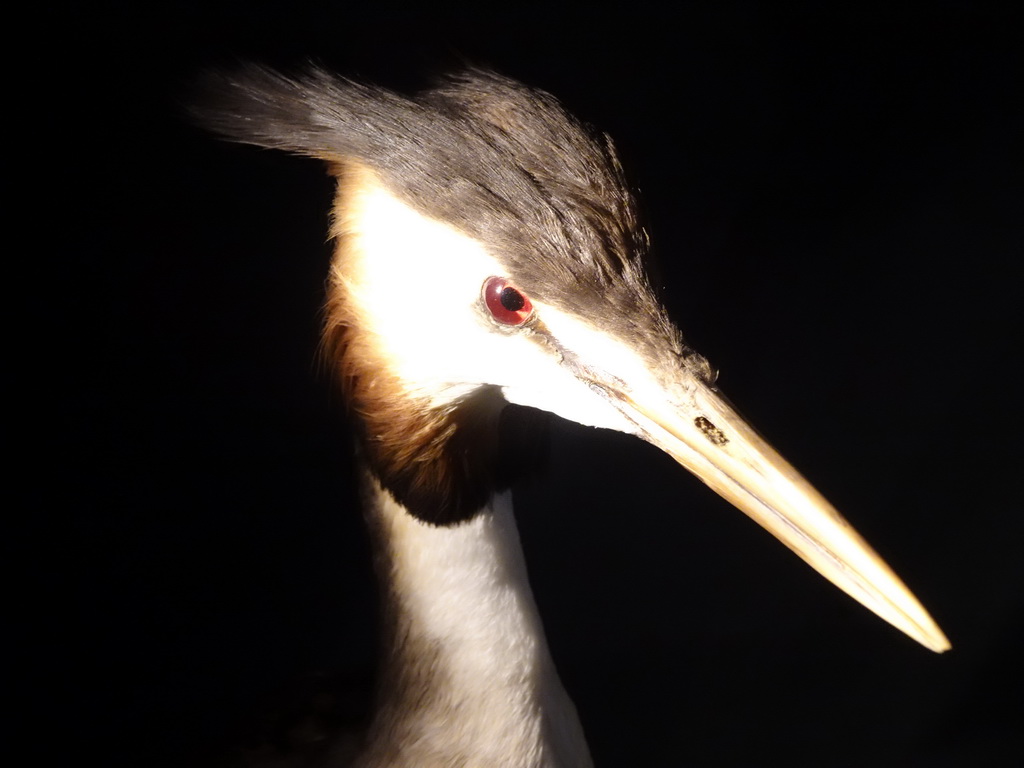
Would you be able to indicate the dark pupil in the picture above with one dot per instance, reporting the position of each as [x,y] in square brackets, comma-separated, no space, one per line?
[512,300]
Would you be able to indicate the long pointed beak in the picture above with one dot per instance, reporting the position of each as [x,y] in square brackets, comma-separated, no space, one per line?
[711,440]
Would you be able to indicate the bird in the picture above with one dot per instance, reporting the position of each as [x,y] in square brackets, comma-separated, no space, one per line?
[488,252]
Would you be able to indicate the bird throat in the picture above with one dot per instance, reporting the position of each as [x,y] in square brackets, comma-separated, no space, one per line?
[467,678]
[442,464]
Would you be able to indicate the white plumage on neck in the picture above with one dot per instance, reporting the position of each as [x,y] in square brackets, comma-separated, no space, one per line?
[467,636]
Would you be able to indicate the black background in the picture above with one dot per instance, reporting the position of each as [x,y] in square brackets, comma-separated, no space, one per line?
[836,207]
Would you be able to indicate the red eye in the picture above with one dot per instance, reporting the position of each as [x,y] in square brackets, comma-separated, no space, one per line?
[506,303]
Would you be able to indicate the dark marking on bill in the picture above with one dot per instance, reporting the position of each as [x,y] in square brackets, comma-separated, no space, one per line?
[711,432]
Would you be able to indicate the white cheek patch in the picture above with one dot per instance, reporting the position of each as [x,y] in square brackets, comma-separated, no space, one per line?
[557,389]
[415,283]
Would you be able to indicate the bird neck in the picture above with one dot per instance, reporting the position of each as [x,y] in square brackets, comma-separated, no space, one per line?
[467,677]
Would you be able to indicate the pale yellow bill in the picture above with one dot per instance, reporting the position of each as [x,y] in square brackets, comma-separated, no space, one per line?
[711,440]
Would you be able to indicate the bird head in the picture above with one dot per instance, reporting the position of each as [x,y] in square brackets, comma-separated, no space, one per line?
[489,252]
